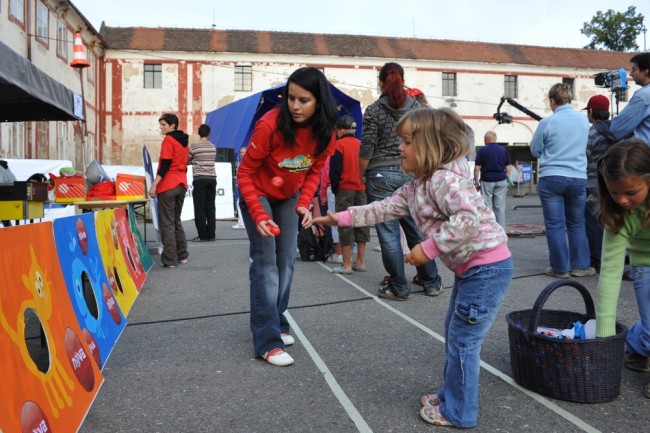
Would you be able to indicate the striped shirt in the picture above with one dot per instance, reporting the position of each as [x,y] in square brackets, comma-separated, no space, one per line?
[202,156]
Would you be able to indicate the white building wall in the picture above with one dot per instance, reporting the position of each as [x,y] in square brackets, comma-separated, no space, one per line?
[479,89]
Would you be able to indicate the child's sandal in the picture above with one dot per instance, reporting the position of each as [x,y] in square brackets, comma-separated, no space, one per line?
[432,415]
[431,400]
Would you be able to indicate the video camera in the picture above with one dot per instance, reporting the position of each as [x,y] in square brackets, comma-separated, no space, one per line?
[502,117]
[617,80]
[506,117]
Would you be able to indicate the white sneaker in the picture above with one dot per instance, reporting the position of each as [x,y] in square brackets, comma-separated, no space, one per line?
[287,339]
[239,226]
[278,357]
[377,248]
[335,259]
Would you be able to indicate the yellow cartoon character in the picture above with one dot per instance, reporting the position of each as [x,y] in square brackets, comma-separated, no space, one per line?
[56,382]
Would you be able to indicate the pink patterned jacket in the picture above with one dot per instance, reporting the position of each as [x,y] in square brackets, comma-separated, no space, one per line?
[457,225]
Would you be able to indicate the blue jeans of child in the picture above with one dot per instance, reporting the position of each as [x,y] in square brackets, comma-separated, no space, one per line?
[475,300]
[271,272]
[638,338]
[381,182]
[563,204]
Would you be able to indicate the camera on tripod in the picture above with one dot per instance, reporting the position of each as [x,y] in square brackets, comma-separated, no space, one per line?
[616,80]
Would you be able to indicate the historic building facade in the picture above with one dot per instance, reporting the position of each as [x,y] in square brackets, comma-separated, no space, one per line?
[194,71]
[136,74]
[37,38]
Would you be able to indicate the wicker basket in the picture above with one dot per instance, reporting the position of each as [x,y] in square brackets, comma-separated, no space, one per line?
[581,371]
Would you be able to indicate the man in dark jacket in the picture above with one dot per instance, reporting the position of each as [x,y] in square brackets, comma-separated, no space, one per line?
[600,139]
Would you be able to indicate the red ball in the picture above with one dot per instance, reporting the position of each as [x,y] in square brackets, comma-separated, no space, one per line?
[277,182]
[275,231]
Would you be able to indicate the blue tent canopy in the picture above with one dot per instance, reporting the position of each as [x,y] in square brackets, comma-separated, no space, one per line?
[231,126]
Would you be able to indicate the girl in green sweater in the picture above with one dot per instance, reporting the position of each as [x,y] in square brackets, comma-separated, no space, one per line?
[623,183]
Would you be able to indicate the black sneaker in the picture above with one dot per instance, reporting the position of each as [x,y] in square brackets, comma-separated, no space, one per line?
[435,291]
[386,293]
[636,362]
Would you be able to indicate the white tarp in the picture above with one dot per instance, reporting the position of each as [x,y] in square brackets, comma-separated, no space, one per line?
[224,201]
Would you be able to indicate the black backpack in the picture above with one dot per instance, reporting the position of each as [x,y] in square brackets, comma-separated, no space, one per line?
[313,245]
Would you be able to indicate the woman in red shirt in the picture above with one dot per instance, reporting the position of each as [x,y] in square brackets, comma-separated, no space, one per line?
[170,186]
[277,179]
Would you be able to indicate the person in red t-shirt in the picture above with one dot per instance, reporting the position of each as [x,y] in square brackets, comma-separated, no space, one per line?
[349,190]
[170,186]
[277,179]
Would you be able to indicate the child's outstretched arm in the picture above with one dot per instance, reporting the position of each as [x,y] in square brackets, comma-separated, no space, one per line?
[330,220]
[416,257]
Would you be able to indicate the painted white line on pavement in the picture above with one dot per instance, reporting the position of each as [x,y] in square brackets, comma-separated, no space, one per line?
[347,404]
[537,397]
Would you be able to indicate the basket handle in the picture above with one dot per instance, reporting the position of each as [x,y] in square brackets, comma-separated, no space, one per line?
[541,300]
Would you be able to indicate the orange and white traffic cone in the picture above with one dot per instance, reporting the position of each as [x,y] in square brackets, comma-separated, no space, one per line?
[79,59]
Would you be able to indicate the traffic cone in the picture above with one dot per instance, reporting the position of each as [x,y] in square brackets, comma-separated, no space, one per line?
[79,59]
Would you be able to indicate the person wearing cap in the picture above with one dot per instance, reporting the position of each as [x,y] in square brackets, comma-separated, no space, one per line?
[560,144]
[635,117]
[600,139]
[418,96]
[492,167]
[349,190]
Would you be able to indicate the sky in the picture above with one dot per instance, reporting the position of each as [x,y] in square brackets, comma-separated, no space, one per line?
[550,23]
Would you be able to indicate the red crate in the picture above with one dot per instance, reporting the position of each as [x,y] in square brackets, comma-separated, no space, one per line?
[130,187]
[69,189]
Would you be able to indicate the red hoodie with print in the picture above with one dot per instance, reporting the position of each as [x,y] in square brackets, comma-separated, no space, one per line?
[269,155]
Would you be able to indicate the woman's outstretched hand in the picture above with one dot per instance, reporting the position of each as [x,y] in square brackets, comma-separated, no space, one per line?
[330,220]
[306,219]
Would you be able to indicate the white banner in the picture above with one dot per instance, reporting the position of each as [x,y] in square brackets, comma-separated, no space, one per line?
[224,201]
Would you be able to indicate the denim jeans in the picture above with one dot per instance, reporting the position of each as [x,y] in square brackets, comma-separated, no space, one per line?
[381,182]
[638,338]
[494,195]
[563,204]
[172,235]
[475,301]
[271,272]
[593,228]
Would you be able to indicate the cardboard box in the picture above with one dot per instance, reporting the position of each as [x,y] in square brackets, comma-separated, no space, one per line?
[69,189]
[130,187]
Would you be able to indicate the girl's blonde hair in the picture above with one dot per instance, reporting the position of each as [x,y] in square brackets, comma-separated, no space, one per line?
[439,136]
[621,161]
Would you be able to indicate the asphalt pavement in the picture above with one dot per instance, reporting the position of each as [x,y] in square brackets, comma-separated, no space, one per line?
[185,362]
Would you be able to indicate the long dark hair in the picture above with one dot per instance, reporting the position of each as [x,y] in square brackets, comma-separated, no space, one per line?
[622,160]
[323,120]
[392,77]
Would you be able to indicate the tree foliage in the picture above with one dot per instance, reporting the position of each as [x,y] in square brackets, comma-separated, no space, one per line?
[616,31]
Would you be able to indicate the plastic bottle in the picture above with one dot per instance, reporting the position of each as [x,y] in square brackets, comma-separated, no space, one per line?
[312,253]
